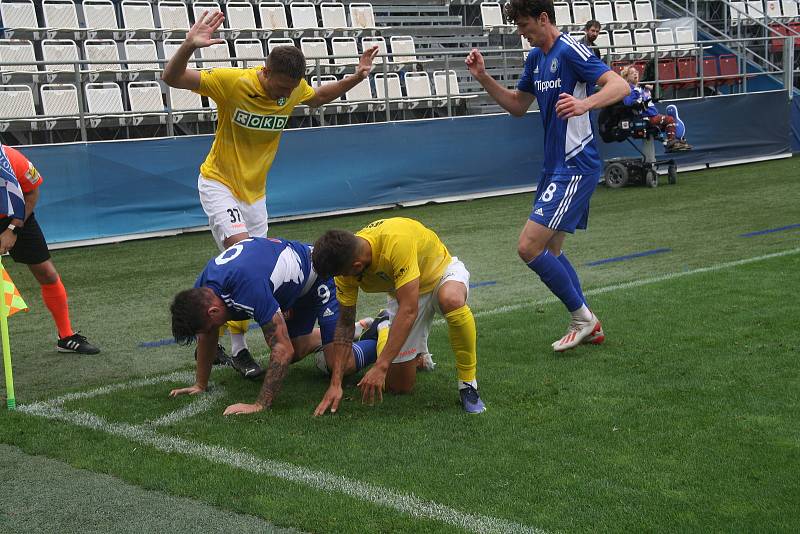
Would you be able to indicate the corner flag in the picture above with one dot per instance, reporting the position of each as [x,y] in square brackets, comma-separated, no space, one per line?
[10,303]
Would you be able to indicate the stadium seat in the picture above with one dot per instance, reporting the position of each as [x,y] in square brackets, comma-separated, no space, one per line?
[315,47]
[403,44]
[249,48]
[16,102]
[666,41]
[241,16]
[737,12]
[100,15]
[687,68]
[215,56]
[100,50]
[19,14]
[362,16]
[61,14]
[624,11]
[711,70]
[441,80]
[304,15]
[360,93]
[772,8]
[198,7]
[145,97]
[641,67]
[59,100]
[643,37]
[104,98]
[58,50]
[273,16]
[333,15]
[755,10]
[325,80]
[367,42]
[685,37]
[390,80]
[563,15]
[581,12]
[577,35]
[173,15]
[623,43]
[790,10]
[418,85]
[644,11]
[729,69]
[604,13]
[184,100]
[492,15]
[345,46]
[17,51]
[617,66]
[603,42]
[137,15]
[667,73]
[142,50]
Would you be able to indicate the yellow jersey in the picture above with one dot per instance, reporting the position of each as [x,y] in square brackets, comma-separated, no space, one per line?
[402,251]
[249,128]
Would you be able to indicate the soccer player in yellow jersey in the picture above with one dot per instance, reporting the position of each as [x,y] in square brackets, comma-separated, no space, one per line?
[409,262]
[253,106]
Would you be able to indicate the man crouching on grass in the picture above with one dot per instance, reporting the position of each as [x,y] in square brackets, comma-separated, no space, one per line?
[272,282]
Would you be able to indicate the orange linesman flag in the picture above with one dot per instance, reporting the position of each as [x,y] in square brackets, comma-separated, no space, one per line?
[14,302]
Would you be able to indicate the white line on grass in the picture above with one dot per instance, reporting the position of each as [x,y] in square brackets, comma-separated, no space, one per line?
[404,503]
[200,405]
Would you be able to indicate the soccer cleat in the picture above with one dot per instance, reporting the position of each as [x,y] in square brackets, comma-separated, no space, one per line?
[246,365]
[361,325]
[76,343]
[321,363]
[597,336]
[372,331]
[470,399]
[222,356]
[578,331]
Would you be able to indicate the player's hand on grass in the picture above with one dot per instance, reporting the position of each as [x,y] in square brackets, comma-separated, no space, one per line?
[192,390]
[475,63]
[365,61]
[330,401]
[202,30]
[242,409]
[569,106]
[7,241]
[372,385]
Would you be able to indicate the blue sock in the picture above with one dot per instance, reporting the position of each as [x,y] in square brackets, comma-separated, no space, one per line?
[573,276]
[365,353]
[556,278]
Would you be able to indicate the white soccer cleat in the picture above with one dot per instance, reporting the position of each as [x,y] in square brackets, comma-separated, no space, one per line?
[577,333]
[596,337]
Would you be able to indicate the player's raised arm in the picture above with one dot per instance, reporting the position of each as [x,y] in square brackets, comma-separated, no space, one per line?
[281,353]
[515,102]
[374,381]
[331,91]
[199,36]
[343,350]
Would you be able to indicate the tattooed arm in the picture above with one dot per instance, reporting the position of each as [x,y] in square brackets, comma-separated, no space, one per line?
[342,350]
[280,357]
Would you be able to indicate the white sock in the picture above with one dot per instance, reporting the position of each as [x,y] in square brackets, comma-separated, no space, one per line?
[463,385]
[582,314]
[237,343]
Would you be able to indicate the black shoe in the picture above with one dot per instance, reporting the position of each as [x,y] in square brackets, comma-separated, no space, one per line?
[76,343]
[222,356]
[246,365]
[372,331]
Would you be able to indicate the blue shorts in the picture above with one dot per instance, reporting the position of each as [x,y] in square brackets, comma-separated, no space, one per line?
[562,200]
[319,305]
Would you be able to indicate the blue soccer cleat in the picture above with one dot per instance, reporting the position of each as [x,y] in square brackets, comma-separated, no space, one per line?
[470,399]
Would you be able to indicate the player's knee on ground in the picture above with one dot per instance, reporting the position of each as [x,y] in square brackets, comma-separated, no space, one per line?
[401,377]
[349,366]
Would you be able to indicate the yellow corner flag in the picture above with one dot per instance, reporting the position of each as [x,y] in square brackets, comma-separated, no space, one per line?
[10,303]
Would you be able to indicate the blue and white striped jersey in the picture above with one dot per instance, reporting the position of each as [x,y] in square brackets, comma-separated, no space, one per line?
[257,276]
[571,68]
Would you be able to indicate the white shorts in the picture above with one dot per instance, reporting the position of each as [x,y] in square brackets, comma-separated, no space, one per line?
[227,215]
[428,305]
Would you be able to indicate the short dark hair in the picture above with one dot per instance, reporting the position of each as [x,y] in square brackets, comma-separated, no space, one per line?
[514,9]
[288,60]
[592,24]
[188,311]
[334,252]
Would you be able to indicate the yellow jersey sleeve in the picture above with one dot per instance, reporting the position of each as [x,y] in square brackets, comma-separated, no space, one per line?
[346,290]
[216,83]
[402,256]
[308,91]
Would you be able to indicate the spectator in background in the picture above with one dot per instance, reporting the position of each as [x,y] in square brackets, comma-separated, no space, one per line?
[590,33]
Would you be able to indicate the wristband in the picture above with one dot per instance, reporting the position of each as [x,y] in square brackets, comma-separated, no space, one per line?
[14,229]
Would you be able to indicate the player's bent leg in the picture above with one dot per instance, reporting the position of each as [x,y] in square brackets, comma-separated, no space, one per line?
[401,377]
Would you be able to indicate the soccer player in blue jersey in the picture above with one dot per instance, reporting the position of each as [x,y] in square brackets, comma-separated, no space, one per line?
[271,281]
[560,74]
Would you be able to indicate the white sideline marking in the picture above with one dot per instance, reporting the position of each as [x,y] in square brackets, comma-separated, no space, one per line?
[202,404]
[146,434]
[634,283]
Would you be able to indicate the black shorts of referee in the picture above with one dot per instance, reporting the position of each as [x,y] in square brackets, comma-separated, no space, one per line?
[31,247]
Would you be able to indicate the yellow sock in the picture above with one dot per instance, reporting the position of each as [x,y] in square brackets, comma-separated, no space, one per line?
[461,328]
[238,327]
[383,337]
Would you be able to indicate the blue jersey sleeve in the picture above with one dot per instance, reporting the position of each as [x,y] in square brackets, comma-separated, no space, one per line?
[584,64]
[525,82]
[632,98]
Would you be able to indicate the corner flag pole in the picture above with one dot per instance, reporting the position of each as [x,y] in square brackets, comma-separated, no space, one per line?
[10,399]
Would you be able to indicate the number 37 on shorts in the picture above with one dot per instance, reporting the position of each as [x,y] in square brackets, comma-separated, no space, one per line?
[562,201]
